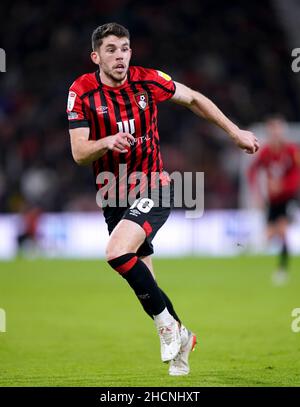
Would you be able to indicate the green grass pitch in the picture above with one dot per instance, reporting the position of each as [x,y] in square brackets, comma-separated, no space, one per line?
[76,323]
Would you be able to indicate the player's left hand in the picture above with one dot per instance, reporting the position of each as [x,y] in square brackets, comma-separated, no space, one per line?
[246,140]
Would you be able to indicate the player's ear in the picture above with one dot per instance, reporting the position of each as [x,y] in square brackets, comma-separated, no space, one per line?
[95,57]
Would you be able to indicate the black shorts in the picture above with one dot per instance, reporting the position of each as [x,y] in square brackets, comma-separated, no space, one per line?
[148,212]
[278,210]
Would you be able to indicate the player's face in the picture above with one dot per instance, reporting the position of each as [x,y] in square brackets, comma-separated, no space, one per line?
[276,129]
[114,57]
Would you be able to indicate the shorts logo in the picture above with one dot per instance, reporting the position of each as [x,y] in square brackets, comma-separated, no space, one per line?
[71,101]
[141,100]
[134,212]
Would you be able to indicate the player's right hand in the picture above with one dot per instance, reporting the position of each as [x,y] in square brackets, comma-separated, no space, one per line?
[118,142]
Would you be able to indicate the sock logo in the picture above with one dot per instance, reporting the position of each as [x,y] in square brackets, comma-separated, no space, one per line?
[144,296]
[296,322]
[2,320]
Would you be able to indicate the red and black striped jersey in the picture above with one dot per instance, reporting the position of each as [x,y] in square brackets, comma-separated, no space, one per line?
[281,166]
[131,107]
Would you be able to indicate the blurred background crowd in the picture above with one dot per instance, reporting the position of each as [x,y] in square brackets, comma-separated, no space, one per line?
[236,53]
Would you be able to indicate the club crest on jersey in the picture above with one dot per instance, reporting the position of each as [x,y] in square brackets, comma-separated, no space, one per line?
[71,101]
[141,100]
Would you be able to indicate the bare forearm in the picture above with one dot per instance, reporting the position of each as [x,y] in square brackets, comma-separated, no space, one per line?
[204,107]
[89,150]
[86,151]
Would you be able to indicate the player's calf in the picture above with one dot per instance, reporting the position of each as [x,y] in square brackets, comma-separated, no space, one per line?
[141,280]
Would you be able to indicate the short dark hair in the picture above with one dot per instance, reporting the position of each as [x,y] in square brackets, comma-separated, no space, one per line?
[108,29]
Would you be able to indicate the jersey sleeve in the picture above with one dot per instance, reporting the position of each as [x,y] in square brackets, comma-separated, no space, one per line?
[163,87]
[76,110]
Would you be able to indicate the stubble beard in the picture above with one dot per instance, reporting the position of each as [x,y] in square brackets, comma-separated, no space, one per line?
[116,78]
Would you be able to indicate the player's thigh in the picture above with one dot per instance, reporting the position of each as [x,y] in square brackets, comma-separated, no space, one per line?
[126,237]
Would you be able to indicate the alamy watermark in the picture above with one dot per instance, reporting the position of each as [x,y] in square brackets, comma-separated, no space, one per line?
[141,192]
[295,326]
[296,62]
[2,60]
[2,320]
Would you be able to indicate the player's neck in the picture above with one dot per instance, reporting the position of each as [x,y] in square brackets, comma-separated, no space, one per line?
[109,81]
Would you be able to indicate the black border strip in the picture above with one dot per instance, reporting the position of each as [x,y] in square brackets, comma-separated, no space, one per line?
[97,396]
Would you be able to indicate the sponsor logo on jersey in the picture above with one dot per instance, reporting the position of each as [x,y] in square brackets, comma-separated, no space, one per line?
[141,100]
[71,101]
[126,126]
[102,109]
[164,75]
[139,140]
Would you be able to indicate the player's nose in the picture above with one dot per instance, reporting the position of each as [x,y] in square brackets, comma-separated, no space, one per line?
[119,55]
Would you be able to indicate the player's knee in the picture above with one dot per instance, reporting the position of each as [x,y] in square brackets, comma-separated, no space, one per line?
[114,250]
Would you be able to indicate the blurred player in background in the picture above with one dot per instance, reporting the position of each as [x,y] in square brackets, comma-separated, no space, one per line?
[279,160]
[113,120]
[27,238]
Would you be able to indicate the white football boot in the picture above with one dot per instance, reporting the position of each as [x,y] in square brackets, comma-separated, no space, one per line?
[179,366]
[170,341]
